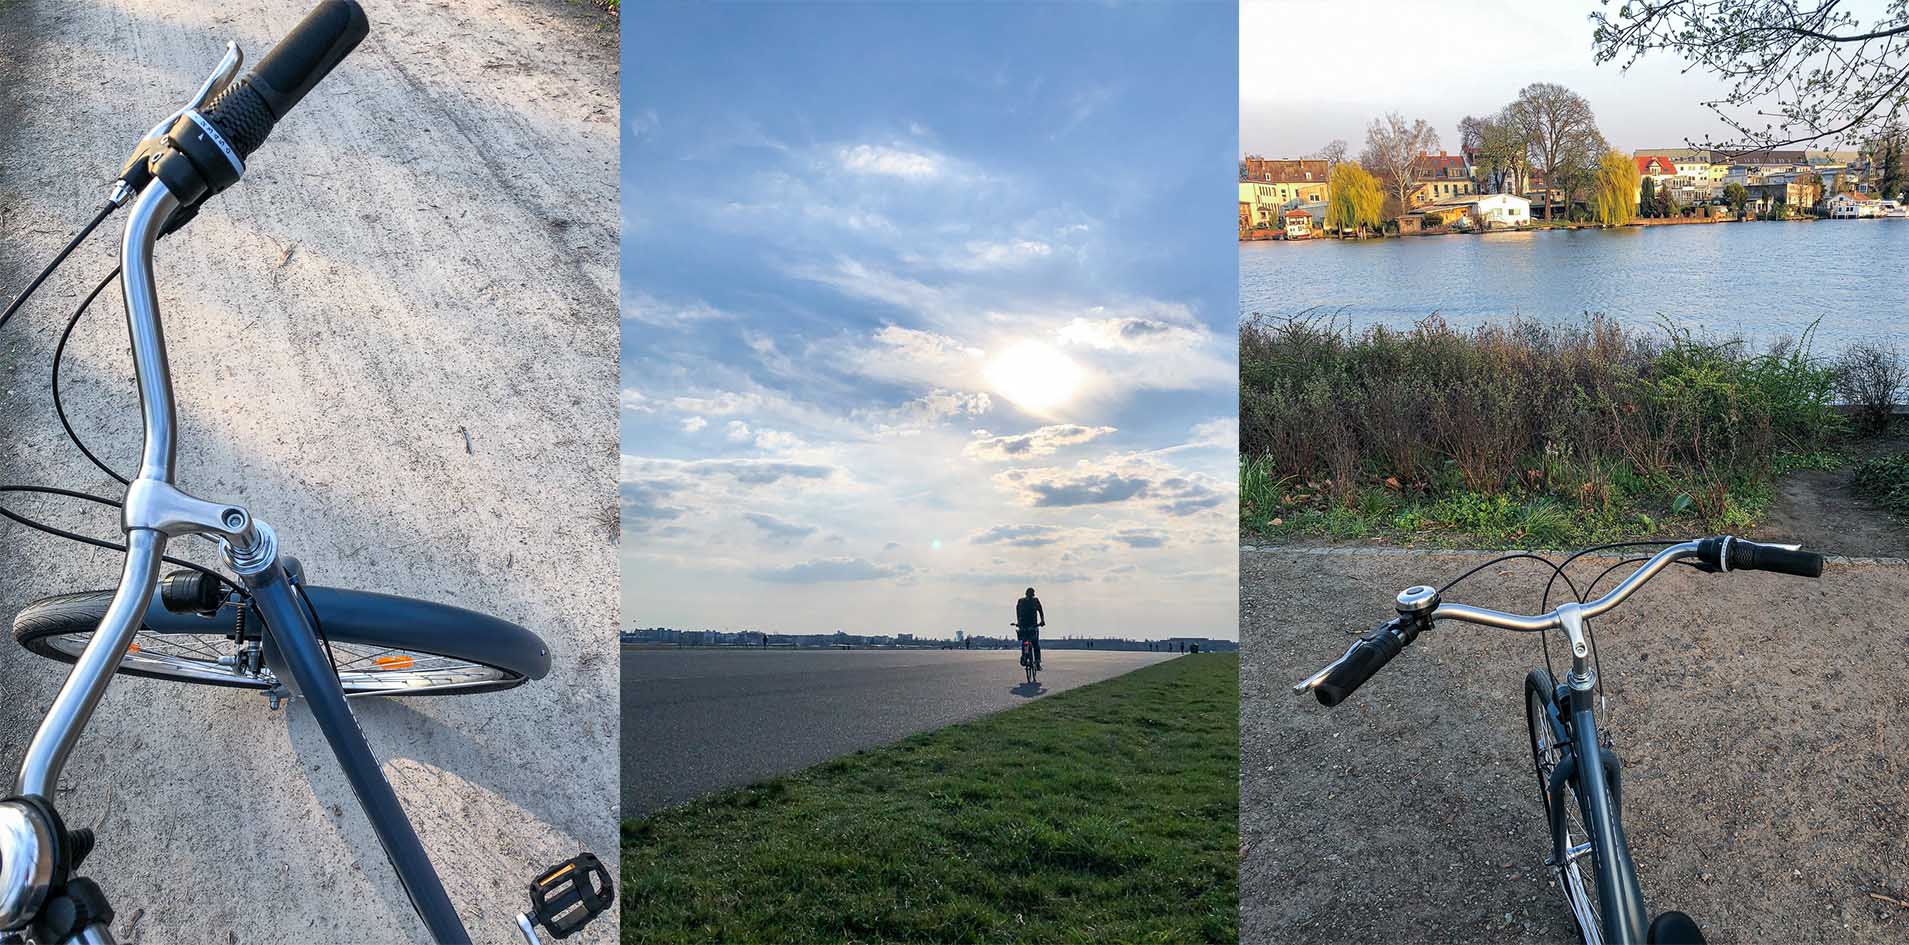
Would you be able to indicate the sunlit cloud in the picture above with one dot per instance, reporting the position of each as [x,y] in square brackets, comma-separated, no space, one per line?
[891,161]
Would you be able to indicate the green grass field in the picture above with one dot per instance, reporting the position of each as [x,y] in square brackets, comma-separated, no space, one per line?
[1108,813]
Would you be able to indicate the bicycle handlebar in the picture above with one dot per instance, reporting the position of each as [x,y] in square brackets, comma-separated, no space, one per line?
[1366,657]
[247,111]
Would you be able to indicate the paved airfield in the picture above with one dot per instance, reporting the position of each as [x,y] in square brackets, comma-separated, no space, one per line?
[696,721]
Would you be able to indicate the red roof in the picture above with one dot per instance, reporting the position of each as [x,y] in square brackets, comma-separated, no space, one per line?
[1664,165]
[1296,212]
[1439,165]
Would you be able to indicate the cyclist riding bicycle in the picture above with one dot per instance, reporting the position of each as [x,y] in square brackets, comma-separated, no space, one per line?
[1028,619]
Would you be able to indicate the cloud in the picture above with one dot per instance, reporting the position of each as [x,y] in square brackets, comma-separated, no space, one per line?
[694,424]
[1132,477]
[643,470]
[1041,442]
[985,255]
[777,528]
[1018,536]
[642,505]
[1141,537]
[777,440]
[829,570]
[1058,488]
[1218,433]
[738,432]
[650,310]
[1134,334]
[634,401]
[890,161]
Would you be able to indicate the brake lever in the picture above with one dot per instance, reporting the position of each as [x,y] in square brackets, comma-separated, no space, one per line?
[136,172]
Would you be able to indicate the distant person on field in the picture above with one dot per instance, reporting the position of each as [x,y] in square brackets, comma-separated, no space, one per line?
[1028,619]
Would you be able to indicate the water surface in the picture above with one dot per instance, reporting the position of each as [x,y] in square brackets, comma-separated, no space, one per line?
[1761,280]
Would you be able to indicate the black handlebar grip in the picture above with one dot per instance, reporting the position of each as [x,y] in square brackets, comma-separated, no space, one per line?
[247,110]
[1370,655]
[1750,556]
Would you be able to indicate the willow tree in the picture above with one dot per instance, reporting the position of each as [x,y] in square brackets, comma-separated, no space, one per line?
[1356,201]
[1617,189]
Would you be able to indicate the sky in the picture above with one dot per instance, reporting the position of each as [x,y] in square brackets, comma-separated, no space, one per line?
[1455,58]
[923,305]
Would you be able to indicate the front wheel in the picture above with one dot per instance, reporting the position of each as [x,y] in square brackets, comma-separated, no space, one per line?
[1548,747]
[380,645]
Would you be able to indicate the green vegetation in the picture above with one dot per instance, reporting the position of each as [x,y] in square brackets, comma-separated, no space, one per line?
[1613,201]
[1519,433]
[1886,480]
[1108,813]
[1356,203]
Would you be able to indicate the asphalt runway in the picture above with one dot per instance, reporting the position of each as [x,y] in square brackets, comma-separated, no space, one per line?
[699,721]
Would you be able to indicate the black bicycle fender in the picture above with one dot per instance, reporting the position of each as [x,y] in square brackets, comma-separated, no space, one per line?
[371,619]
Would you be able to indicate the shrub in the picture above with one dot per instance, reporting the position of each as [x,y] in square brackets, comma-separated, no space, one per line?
[1870,378]
[1586,414]
[1886,480]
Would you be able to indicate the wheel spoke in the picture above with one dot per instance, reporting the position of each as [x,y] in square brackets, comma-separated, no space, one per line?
[361,669]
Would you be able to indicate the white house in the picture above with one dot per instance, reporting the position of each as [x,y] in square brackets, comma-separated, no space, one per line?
[1852,206]
[1490,211]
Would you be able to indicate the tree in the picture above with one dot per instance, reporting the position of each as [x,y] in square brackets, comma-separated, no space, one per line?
[1615,198]
[1392,149]
[1647,197]
[1563,141]
[1818,71]
[1666,204]
[1334,153]
[1355,202]
[1498,151]
[1736,197]
[1885,156]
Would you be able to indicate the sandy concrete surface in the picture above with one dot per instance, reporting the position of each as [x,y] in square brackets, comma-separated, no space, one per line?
[705,720]
[425,250]
[1758,716]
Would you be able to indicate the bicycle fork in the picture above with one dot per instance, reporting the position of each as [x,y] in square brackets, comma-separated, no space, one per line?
[1600,798]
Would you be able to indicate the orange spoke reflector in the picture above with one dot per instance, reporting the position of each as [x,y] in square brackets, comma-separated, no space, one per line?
[393,662]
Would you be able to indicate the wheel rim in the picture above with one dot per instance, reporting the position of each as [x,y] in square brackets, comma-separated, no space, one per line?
[1579,889]
[362,668]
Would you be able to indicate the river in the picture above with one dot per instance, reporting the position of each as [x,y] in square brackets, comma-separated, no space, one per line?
[1759,280]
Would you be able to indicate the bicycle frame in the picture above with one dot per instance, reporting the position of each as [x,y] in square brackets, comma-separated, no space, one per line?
[155,511]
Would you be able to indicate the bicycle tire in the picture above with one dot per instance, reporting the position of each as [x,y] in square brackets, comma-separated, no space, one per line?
[1578,889]
[386,645]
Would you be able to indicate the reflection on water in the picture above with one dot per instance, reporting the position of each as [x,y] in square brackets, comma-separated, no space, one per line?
[1762,280]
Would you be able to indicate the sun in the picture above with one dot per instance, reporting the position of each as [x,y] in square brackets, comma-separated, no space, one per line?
[1035,376]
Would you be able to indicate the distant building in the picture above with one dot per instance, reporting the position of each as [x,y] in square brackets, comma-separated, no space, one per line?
[1485,211]
[1656,167]
[1438,176]
[1269,186]
[1852,206]
[1298,224]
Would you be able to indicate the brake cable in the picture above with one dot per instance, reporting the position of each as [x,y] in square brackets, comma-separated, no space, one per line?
[59,353]
[79,238]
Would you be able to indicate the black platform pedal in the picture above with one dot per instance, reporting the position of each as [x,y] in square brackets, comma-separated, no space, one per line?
[565,897]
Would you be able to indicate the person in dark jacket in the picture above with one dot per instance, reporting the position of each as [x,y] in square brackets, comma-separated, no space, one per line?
[1028,619]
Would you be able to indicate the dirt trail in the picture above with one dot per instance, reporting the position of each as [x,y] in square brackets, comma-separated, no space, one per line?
[1818,509]
[396,341]
[1758,716]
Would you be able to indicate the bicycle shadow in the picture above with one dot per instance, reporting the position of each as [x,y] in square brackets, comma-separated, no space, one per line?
[1028,690]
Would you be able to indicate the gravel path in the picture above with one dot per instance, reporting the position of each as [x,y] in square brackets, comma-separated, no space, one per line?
[396,341]
[1758,717]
